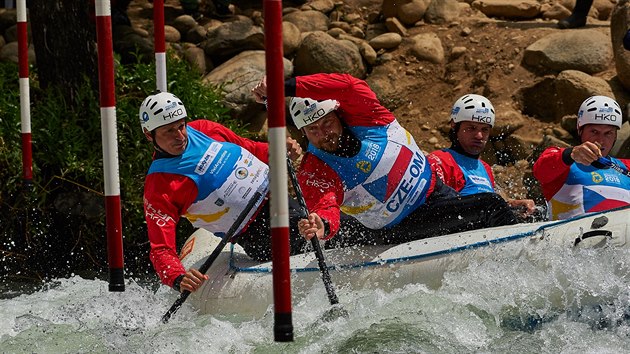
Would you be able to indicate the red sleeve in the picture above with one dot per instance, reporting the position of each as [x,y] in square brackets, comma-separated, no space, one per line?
[358,105]
[551,171]
[626,162]
[221,133]
[447,169]
[323,190]
[166,197]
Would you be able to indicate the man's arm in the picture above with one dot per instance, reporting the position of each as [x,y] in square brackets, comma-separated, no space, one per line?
[446,169]
[166,197]
[323,191]
[552,168]
[358,103]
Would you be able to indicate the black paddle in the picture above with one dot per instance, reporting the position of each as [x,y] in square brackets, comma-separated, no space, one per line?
[608,163]
[330,289]
[214,255]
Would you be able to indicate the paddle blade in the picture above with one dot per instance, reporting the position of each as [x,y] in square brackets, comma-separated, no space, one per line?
[334,312]
[176,305]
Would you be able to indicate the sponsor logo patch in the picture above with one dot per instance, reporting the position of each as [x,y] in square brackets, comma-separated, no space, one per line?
[241,173]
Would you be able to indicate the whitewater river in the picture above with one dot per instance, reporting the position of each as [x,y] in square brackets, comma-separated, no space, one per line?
[557,301]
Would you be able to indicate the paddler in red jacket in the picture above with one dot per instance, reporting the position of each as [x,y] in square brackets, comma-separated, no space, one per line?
[460,167]
[574,180]
[206,173]
[362,162]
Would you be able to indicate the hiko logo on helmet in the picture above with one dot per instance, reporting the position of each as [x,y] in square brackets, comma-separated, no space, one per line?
[172,114]
[483,116]
[305,111]
[606,114]
[455,110]
[145,117]
[605,117]
[312,113]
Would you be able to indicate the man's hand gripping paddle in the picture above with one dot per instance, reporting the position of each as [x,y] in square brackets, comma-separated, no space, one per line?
[336,309]
[215,254]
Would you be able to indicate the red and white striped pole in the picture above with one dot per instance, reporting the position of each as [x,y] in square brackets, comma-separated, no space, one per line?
[283,323]
[110,145]
[160,45]
[25,98]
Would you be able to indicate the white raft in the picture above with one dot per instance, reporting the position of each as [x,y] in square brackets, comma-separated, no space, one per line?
[239,285]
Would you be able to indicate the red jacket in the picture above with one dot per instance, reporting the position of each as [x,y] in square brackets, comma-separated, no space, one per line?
[167,196]
[447,169]
[322,187]
[551,170]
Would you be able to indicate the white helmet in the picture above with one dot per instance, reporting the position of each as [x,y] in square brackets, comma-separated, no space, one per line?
[161,109]
[473,108]
[305,111]
[599,110]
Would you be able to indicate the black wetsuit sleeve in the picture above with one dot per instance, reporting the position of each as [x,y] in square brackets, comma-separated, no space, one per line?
[290,87]
[566,156]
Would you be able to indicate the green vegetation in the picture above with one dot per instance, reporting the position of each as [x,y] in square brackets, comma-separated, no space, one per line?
[57,227]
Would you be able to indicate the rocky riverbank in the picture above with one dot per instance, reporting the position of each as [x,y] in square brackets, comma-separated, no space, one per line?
[419,56]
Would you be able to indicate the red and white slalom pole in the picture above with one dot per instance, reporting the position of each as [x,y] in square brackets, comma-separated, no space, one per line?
[110,145]
[25,98]
[159,42]
[283,323]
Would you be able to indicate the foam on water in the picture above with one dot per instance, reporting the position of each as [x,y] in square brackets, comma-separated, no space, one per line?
[550,300]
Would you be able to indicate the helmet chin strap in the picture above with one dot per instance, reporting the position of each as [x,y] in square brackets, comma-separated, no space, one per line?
[155,144]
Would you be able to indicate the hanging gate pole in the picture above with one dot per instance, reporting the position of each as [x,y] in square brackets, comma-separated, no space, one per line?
[160,45]
[110,145]
[283,324]
[25,98]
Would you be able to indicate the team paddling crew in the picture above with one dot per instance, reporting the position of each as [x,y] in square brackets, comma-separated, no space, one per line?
[459,166]
[362,162]
[205,172]
[578,179]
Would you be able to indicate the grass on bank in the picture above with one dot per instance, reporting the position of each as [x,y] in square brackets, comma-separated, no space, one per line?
[59,226]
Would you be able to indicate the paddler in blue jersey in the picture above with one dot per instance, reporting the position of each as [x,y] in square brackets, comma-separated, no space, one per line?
[574,180]
[206,173]
[362,162]
[460,166]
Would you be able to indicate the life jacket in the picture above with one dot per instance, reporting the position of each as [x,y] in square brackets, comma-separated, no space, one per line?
[226,175]
[386,181]
[475,174]
[589,189]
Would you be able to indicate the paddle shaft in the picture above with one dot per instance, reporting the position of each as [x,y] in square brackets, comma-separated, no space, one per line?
[321,262]
[609,163]
[620,169]
[214,255]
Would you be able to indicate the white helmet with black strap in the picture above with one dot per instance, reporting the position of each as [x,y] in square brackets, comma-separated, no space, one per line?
[160,109]
[599,110]
[473,108]
[305,111]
